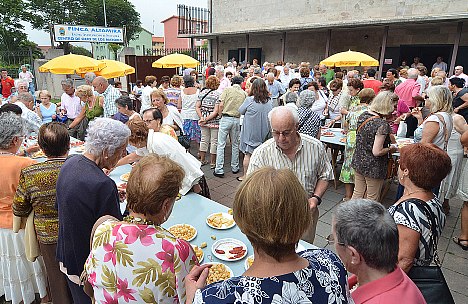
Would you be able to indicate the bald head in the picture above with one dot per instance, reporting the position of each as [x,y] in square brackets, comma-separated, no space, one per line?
[284,124]
[283,115]
[100,84]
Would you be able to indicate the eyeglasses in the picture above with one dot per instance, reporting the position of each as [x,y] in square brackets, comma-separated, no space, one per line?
[284,133]
[148,121]
[331,241]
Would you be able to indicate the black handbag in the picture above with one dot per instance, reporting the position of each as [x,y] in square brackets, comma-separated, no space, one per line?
[184,140]
[430,279]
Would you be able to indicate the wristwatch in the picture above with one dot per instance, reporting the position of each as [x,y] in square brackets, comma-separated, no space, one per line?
[318,198]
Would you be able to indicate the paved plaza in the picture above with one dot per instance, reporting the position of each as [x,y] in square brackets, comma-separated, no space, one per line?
[454,259]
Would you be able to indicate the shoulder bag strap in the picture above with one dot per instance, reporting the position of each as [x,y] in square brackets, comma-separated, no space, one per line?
[446,135]
[365,122]
[206,95]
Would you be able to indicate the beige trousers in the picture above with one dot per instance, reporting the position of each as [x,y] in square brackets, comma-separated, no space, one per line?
[209,137]
[363,185]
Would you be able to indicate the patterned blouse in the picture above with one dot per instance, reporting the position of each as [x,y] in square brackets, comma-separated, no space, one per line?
[309,121]
[132,263]
[323,281]
[36,190]
[408,214]
[209,99]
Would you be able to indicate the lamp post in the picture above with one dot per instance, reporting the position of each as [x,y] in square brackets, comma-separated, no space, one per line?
[105,16]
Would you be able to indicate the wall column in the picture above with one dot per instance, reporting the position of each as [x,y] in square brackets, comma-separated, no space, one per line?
[327,45]
[382,51]
[455,48]
[247,46]
[283,46]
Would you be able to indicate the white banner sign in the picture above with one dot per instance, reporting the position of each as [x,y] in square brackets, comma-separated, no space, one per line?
[88,33]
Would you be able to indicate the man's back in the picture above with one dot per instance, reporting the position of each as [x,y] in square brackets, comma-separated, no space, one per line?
[232,99]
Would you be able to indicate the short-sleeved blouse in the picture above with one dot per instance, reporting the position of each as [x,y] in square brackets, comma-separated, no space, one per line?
[408,214]
[323,281]
[209,99]
[131,263]
[47,113]
[309,121]
[364,162]
[189,103]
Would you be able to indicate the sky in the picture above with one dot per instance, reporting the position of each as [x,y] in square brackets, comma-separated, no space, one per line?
[152,12]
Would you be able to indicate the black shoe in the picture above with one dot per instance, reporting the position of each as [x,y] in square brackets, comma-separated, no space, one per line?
[235,172]
[218,174]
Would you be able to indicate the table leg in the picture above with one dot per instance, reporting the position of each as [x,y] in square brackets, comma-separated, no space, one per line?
[335,152]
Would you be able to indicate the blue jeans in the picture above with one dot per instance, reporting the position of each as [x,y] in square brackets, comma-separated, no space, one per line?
[228,126]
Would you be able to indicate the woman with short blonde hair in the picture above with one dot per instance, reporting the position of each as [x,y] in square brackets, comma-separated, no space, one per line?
[265,205]
[46,110]
[170,114]
[93,107]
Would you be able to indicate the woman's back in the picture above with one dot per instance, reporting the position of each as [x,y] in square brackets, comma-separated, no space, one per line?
[323,281]
[189,102]
[132,263]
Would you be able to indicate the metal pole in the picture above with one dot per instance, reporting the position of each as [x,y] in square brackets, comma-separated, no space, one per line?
[105,16]
[382,51]
[456,44]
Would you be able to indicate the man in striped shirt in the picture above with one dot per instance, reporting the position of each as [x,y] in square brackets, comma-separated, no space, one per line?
[302,154]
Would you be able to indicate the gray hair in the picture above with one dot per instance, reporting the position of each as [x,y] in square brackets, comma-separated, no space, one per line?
[89,77]
[188,81]
[68,82]
[306,98]
[25,97]
[413,73]
[11,126]
[270,75]
[106,134]
[459,67]
[284,110]
[219,68]
[368,227]
[290,97]
[20,82]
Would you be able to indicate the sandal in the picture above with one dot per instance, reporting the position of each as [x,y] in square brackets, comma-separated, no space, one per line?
[458,241]
[239,178]
[212,166]
[204,162]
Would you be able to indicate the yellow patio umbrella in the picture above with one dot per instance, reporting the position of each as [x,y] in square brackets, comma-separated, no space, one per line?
[71,64]
[350,58]
[176,60]
[114,69]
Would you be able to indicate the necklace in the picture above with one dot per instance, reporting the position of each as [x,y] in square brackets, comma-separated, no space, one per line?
[137,220]
[417,191]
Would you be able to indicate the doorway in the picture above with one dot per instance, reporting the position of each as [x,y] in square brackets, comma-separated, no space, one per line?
[428,54]
[239,54]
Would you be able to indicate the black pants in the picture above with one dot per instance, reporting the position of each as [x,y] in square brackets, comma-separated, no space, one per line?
[78,294]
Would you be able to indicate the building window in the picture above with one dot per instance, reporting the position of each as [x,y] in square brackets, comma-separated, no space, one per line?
[138,47]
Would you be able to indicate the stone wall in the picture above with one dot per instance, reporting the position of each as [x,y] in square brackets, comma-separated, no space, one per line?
[250,16]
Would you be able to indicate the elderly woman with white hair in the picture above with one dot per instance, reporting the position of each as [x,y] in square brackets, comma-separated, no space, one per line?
[366,239]
[309,121]
[19,278]
[84,194]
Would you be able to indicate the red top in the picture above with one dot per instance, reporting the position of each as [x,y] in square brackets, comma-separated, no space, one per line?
[373,84]
[386,290]
[7,84]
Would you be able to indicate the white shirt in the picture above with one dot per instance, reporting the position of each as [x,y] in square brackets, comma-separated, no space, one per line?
[33,120]
[164,145]
[320,104]
[146,99]
[71,104]
[27,76]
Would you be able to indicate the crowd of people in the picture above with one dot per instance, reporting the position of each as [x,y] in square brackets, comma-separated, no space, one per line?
[272,114]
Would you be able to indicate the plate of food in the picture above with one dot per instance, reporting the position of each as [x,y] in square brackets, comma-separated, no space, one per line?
[125,177]
[328,134]
[76,143]
[229,249]
[220,220]
[299,248]
[183,231]
[199,253]
[80,149]
[343,140]
[401,142]
[218,272]
[38,154]
[248,261]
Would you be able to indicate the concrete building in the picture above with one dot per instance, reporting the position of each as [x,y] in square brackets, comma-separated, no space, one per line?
[158,43]
[299,30]
[142,42]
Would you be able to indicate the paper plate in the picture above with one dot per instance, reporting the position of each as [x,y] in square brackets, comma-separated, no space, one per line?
[179,237]
[125,177]
[221,249]
[335,129]
[231,273]
[246,262]
[213,222]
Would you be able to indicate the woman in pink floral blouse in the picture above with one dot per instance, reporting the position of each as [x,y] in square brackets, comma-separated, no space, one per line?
[136,260]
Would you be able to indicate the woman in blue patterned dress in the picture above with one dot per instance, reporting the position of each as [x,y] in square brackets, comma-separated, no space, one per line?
[278,274]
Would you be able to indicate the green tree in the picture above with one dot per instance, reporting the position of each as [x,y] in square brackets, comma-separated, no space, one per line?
[11,29]
[120,13]
[115,48]
[80,51]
